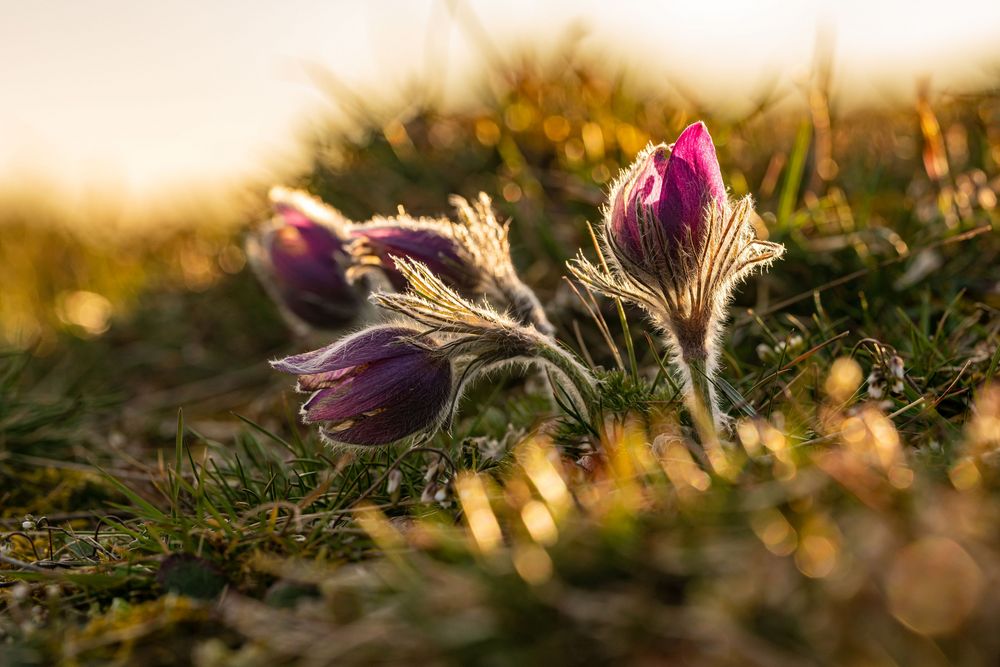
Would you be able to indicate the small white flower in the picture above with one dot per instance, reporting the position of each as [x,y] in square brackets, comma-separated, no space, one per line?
[432,470]
[876,384]
[394,480]
[896,367]
[428,493]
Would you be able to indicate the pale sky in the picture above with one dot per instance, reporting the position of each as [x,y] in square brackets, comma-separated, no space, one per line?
[144,97]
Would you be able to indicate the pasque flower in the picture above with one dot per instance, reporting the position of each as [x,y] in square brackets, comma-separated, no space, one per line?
[402,381]
[484,339]
[677,246]
[471,256]
[301,257]
[429,240]
[382,385]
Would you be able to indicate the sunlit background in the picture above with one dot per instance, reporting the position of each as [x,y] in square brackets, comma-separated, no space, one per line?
[138,139]
[135,100]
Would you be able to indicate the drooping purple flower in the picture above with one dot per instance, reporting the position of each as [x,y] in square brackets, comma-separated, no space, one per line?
[470,255]
[430,242]
[664,197]
[302,258]
[375,387]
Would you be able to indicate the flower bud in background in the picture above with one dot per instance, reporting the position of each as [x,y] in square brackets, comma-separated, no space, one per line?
[677,247]
[301,258]
[385,384]
[471,256]
[430,241]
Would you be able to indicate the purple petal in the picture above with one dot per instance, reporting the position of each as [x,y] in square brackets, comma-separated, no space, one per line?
[305,257]
[375,385]
[384,401]
[327,380]
[304,265]
[372,344]
[440,253]
[692,181]
[633,204]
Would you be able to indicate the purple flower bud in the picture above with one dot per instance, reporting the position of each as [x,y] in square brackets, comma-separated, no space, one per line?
[670,187]
[302,258]
[375,387]
[425,243]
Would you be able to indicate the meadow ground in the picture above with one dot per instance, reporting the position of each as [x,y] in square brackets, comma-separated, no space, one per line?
[160,503]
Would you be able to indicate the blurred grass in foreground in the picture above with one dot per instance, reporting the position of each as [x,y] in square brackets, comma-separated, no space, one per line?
[849,522]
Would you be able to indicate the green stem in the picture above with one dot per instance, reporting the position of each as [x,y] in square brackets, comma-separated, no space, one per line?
[703,405]
[629,346]
[527,308]
[575,372]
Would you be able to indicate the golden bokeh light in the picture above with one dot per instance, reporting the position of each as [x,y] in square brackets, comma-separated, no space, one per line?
[533,564]
[482,522]
[818,552]
[844,379]
[933,586]
[536,459]
[539,522]
[89,311]
[749,436]
[680,466]
[774,531]
[816,556]
[871,436]
[984,427]
[964,475]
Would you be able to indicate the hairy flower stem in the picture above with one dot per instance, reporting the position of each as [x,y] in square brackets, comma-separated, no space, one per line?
[581,386]
[701,392]
[526,307]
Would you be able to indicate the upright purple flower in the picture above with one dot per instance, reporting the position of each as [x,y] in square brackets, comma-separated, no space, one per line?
[677,246]
[376,387]
[660,206]
[301,257]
